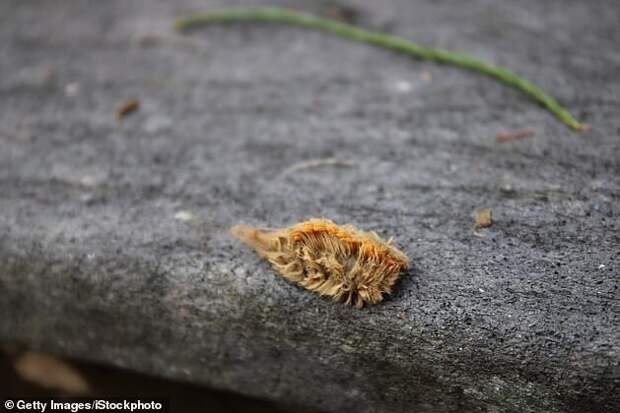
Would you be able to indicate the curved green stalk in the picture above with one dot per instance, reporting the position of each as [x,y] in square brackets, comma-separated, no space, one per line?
[281,15]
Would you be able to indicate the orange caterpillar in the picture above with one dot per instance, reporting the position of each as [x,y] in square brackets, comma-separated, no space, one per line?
[342,262]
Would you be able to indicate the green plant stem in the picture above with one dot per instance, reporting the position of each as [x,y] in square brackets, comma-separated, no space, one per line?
[281,15]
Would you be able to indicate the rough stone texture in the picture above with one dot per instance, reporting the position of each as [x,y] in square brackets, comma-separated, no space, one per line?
[522,316]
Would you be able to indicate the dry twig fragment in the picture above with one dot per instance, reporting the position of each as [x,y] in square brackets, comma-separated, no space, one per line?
[312,163]
[130,106]
[339,261]
[503,137]
[483,218]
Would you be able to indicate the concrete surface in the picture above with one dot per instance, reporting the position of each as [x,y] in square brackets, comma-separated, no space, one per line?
[114,243]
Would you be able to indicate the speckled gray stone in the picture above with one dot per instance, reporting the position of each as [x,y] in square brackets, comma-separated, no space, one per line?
[114,241]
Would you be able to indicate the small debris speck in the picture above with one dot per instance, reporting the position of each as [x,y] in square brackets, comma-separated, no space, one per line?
[504,137]
[402,86]
[88,180]
[343,13]
[483,218]
[184,216]
[130,106]
[148,40]
[72,89]
[426,76]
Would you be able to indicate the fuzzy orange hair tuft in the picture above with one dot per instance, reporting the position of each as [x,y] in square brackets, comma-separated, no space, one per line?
[342,262]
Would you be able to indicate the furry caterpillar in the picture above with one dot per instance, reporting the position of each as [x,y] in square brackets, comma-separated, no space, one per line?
[343,262]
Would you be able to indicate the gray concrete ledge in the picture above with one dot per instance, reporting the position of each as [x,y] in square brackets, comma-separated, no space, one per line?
[114,243]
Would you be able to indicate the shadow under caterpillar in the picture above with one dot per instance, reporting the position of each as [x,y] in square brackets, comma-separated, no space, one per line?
[343,262]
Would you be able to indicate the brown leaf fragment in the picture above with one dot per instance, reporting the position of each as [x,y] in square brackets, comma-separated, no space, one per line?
[51,372]
[130,106]
[483,218]
[508,136]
